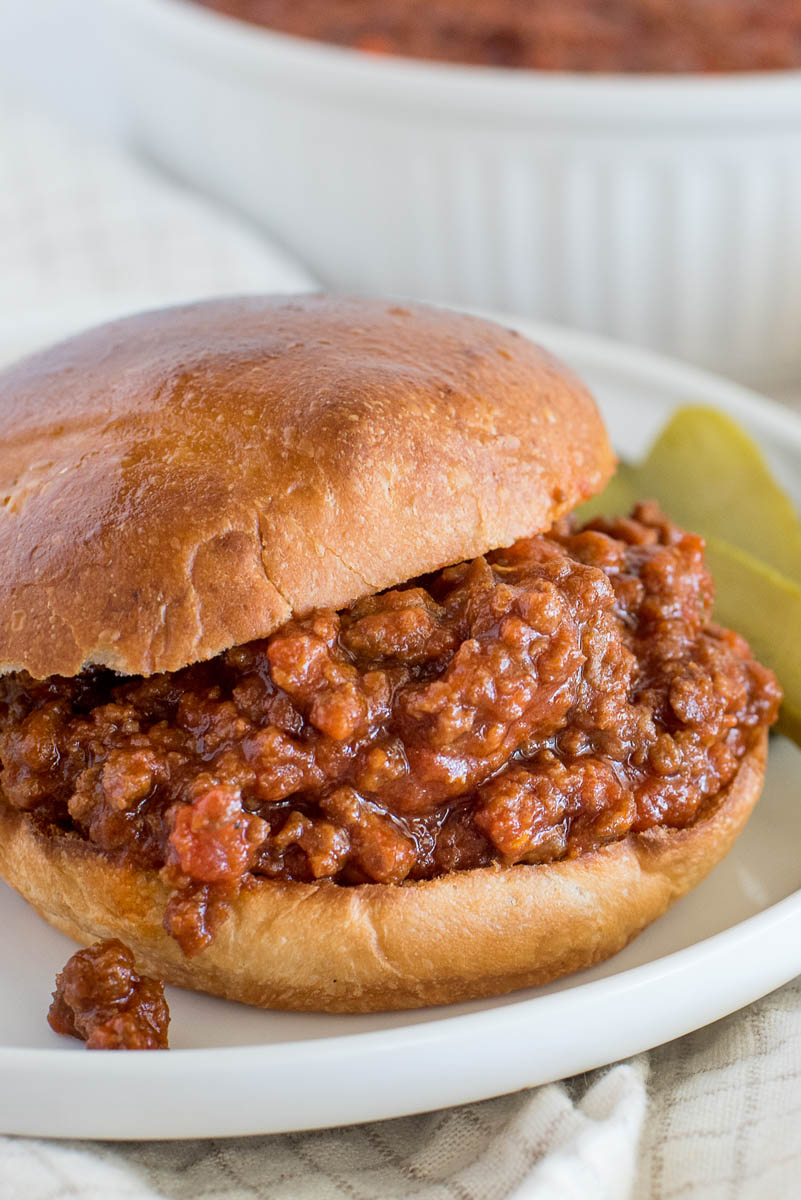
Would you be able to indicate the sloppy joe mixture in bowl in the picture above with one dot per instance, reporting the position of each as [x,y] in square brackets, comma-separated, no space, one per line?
[549,35]
[629,168]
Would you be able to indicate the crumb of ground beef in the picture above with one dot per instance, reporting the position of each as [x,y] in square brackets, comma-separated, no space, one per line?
[101,999]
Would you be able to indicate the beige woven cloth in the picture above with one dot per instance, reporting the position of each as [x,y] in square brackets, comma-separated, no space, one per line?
[714,1116]
[85,233]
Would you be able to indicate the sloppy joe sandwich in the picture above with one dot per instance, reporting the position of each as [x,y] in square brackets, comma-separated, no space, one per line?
[313,691]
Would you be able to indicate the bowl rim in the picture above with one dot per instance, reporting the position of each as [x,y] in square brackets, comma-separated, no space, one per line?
[316,67]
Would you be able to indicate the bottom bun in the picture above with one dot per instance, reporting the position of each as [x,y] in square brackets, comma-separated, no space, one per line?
[326,948]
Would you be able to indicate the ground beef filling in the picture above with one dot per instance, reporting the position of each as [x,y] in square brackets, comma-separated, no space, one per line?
[550,35]
[527,706]
[101,999]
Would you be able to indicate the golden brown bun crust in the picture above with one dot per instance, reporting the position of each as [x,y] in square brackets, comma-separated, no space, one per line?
[182,481]
[321,947]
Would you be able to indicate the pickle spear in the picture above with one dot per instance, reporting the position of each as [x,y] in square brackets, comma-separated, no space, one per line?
[708,476]
[765,608]
[711,477]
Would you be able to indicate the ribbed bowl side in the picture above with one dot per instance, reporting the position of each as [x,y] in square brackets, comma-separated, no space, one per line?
[684,239]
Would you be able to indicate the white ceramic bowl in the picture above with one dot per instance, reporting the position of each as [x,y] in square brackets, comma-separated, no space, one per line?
[661,210]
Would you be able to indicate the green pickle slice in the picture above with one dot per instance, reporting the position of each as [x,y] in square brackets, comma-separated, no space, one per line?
[709,476]
[718,484]
[765,608]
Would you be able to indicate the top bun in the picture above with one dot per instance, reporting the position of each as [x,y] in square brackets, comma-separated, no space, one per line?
[179,482]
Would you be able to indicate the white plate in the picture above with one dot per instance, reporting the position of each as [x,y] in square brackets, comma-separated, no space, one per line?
[236,1070]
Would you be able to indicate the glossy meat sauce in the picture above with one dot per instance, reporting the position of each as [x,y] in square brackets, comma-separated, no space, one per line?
[101,999]
[529,705]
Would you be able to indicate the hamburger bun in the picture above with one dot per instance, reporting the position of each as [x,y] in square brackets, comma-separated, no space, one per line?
[185,481]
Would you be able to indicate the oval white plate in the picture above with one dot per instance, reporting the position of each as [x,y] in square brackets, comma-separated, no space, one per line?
[236,1070]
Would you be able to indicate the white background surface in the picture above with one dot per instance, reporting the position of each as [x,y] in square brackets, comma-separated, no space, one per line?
[51,56]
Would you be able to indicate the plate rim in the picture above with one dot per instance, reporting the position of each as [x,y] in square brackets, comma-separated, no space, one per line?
[674,963]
